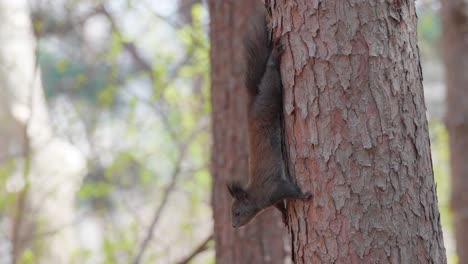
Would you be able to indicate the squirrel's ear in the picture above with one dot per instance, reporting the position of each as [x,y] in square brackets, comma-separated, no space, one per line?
[236,190]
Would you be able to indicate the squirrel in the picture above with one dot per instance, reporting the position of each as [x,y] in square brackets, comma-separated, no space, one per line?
[269,183]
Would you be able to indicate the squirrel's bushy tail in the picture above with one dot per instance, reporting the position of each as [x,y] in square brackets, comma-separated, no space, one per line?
[257,45]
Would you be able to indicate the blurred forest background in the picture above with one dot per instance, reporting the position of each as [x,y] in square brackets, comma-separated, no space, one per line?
[104,153]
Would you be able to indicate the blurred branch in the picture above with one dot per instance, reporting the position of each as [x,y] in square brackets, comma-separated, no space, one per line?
[51,232]
[202,247]
[129,46]
[168,190]
[44,24]
[176,25]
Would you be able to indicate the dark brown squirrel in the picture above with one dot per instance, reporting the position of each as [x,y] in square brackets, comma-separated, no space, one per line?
[269,183]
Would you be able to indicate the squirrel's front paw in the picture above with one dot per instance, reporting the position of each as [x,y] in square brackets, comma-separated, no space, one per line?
[278,50]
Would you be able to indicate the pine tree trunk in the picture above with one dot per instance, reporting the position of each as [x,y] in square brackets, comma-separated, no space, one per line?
[455,46]
[263,240]
[357,133]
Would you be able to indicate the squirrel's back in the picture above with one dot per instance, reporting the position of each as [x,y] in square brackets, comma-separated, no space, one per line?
[263,82]
[257,44]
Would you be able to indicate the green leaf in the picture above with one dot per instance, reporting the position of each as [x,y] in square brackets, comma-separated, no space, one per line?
[27,257]
[61,66]
[94,190]
[106,96]
[197,11]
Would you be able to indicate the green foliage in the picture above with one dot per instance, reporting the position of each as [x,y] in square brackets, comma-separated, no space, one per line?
[440,159]
[160,73]
[139,120]
[429,27]
[441,166]
[119,245]
[115,47]
[106,96]
[94,190]
[61,75]
[38,26]
[429,32]
[27,257]
[6,198]
[194,39]
[80,255]
[453,259]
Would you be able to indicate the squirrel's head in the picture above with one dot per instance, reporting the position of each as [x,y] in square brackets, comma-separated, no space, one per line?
[243,208]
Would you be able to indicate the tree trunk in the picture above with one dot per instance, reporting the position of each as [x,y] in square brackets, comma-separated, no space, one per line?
[357,133]
[455,46]
[47,171]
[263,240]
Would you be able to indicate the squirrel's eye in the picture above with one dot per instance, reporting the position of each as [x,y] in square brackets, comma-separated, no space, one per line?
[237,213]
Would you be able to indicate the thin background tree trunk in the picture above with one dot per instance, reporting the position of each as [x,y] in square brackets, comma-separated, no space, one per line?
[455,50]
[262,241]
[47,170]
[357,133]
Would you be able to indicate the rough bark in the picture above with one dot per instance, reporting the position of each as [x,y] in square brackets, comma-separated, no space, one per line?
[455,50]
[262,241]
[357,133]
[47,170]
